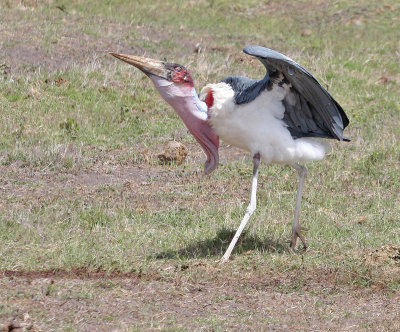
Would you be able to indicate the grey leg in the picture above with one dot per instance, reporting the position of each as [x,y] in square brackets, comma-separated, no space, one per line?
[296,228]
[250,209]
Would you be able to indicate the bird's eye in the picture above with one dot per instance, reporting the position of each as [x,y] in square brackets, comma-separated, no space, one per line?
[178,69]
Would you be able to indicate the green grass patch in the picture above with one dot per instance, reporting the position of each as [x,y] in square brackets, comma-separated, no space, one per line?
[90,114]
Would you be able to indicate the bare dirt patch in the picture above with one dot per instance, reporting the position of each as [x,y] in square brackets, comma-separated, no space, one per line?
[97,300]
[24,46]
[75,273]
[385,253]
[69,40]
[137,183]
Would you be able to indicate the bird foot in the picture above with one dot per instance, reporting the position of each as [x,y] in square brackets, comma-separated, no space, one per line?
[297,234]
[293,248]
[223,260]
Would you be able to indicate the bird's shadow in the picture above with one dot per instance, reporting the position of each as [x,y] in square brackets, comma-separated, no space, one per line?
[216,246]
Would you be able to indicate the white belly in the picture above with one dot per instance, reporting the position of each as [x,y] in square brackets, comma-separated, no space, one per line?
[258,127]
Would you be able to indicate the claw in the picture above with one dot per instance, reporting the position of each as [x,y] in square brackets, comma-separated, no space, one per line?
[297,234]
[223,260]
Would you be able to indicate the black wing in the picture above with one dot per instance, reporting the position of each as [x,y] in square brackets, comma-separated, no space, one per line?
[310,111]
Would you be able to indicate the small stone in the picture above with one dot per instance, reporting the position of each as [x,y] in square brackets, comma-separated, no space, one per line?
[173,152]
[61,81]
[361,220]
[306,32]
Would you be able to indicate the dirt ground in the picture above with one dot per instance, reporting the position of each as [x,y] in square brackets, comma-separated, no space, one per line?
[198,296]
[97,301]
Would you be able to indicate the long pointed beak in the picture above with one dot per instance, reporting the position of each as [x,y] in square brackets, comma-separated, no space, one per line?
[147,65]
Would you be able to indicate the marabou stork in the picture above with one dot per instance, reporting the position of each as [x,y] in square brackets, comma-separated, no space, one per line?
[278,119]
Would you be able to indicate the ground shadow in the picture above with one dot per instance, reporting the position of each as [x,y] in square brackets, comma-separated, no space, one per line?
[217,246]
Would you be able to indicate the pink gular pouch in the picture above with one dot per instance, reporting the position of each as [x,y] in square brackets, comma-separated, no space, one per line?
[193,112]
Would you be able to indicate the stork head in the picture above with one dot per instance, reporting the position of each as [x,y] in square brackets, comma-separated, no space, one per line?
[175,85]
[159,70]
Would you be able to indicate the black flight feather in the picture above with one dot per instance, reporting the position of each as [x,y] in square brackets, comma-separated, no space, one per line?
[310,111]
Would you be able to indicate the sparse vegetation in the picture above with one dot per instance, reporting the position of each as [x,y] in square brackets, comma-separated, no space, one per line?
[88,214]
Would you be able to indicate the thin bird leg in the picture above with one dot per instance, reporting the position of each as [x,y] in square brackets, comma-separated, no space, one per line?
[250,209]
[296,228]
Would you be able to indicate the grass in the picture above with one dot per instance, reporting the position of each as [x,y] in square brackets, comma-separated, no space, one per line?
[80,134]
[58,121]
